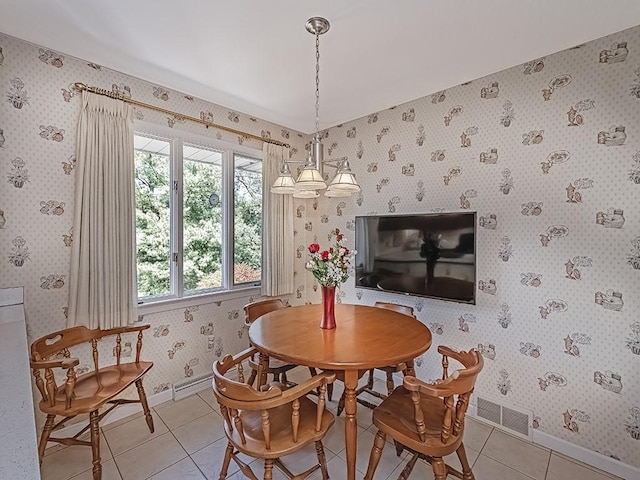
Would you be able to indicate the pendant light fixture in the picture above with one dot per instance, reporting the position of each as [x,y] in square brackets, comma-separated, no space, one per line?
[344,180]
[310,179]
[285,183]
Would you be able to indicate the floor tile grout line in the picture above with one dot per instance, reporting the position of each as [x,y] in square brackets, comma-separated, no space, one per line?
[472,464]
[154,438]
[484,444]
[106,442]
[186,423]
[189,454]
[198,466]
[168,466]
[522,439]
[546,473]
[130,418]
[142,442]
[147,441]
[508,466]
[585,465]
[102,460]
[330,453]
[551,452]
[113,457]
[513,468]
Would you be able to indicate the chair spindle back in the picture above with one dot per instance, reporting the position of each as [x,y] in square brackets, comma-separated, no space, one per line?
[256,309]
[455,391]
[235,396]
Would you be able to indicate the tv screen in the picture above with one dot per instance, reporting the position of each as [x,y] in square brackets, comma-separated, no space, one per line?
[431,255]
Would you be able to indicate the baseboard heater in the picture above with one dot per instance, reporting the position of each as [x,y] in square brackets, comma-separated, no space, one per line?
[191,385]
[512,419]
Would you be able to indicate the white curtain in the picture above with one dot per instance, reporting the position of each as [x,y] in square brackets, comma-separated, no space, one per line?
[103,263]
[278,249]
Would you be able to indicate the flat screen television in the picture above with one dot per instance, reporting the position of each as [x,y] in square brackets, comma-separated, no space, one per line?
[431,255]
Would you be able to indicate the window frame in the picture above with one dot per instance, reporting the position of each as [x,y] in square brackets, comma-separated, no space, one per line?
[178,298]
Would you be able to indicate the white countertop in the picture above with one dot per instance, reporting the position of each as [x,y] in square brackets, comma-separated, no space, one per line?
[18,440]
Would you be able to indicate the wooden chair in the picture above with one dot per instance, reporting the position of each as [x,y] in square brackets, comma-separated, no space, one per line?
[274,367]
[428,419]
[88,392]
[405,367]
[270,422]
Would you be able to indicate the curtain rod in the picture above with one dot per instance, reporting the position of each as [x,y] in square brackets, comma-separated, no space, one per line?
[101,91]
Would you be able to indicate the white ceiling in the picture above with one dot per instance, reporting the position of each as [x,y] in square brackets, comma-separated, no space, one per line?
[256,57]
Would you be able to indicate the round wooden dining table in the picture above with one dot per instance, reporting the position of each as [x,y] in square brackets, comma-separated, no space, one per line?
[365,337]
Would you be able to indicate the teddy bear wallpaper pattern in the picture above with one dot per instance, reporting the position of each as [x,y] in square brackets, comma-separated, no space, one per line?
[37,142]
[548,155]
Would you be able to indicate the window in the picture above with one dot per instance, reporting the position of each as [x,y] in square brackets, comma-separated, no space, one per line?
[198,216]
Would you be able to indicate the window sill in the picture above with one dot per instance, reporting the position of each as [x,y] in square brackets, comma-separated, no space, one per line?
[165,305]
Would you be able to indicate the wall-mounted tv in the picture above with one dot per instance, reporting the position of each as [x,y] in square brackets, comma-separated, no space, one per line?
[431,255]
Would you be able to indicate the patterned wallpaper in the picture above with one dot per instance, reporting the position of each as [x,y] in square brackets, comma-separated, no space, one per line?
[38,119]
[548,155]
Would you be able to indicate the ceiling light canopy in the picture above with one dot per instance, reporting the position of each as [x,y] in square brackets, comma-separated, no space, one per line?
[310,179]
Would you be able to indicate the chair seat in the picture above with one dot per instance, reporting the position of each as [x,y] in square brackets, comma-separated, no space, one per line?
[441,408]
[275,364]
[92,390]
[395,417]
[281,441]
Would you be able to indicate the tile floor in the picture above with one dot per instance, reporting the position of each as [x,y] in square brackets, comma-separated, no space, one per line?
[189,443]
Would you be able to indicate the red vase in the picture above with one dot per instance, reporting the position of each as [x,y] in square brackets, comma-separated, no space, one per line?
[328,307]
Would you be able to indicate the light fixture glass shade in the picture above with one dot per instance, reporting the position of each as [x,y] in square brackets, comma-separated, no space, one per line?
[310,179]
[332,192]
[306,194]
[346,182]
[284,184]
[345,179]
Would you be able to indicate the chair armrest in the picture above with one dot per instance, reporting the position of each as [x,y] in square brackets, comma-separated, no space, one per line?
[301,389]
[60,363]
[49,389]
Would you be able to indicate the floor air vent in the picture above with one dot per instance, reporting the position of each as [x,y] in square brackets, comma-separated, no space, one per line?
[512,419]
[191,385]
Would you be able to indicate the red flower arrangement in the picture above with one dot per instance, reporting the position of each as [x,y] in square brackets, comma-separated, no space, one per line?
[330,267]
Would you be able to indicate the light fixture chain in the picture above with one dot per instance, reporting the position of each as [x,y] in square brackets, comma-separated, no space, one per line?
[310,180]
[317,81]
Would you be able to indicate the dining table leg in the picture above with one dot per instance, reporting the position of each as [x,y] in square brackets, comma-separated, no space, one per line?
[410,370]
[351,424]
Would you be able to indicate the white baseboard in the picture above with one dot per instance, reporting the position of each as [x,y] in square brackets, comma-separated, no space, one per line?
[584,455]
[581,454]
[116,414]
